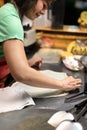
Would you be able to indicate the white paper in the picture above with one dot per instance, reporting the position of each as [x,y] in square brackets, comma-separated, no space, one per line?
[67,125]
[59,117]
[63,120]
[12,98]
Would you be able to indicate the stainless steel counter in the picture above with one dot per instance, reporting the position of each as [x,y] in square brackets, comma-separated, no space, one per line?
[36,117]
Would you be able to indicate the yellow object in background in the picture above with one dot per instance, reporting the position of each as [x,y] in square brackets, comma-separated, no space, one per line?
[77,49]
[65,54]
[74,48]
[71,46]
[82,20]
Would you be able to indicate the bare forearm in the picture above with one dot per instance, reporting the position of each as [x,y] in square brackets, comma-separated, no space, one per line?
[36,78]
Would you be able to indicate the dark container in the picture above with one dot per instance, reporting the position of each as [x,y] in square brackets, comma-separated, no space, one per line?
[58,9]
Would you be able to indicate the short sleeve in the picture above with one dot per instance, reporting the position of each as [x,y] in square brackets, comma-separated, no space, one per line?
[11,27]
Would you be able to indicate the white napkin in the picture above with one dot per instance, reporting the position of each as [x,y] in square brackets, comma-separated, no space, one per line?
[13,98]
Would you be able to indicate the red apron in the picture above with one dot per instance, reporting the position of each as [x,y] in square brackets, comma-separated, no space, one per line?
[4,71]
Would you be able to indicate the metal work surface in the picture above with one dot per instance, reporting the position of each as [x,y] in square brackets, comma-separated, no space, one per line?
[36,117]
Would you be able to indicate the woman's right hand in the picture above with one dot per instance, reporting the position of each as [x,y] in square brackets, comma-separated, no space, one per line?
[71,83]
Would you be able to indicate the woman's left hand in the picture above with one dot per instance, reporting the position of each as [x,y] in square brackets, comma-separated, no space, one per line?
[35,62]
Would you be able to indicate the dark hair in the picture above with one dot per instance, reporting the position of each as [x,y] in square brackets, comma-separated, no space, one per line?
[24,5]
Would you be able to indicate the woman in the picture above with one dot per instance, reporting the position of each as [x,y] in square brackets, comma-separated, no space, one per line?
[11,41]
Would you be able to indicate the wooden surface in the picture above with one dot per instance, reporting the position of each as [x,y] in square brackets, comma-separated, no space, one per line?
[62,37]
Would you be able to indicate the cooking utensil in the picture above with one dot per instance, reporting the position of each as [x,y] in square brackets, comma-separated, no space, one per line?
[81,113]
[76,97]
[79,110]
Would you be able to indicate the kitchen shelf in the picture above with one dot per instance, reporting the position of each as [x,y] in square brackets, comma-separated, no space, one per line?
[62,37]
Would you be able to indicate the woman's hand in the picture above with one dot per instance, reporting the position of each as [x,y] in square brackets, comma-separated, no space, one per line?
[35,62]
[70,83]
